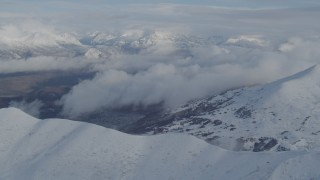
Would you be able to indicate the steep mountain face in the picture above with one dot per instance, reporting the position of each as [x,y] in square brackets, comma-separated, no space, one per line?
[279,116]
[61,149]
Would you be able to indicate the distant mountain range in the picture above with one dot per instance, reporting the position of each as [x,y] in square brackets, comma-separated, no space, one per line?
[102,45]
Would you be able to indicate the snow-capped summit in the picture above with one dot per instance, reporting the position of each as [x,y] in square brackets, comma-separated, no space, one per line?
[99,38]
[251,41]
[301,90]
[94,53]
[37,39]
[33,44]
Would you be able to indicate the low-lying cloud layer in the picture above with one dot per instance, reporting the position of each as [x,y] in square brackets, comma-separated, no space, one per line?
[166,54]
[146,80]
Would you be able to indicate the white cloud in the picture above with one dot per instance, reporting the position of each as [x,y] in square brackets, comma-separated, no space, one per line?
[146,80]
[32,108]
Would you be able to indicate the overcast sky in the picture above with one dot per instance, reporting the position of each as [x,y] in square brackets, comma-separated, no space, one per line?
[46,6]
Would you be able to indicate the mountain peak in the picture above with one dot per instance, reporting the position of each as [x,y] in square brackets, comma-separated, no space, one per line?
[301,87]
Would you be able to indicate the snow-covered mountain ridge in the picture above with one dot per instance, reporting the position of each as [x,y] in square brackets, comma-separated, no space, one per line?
[61,149]
[278,116]
[101,44]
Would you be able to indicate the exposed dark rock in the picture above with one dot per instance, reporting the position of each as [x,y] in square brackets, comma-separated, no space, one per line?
[212,139]
[217,122]
[281,148]
[195,121]
[264,144]
[206,134]
[243,113]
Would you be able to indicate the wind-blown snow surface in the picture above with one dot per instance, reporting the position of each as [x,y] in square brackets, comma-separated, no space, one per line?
[61,149]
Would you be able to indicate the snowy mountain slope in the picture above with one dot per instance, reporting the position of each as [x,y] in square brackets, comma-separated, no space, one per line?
[283,115]
[33,44]
[61,149]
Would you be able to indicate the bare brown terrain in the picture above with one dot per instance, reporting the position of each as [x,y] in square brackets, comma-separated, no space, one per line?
[48,87]
[21,85]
